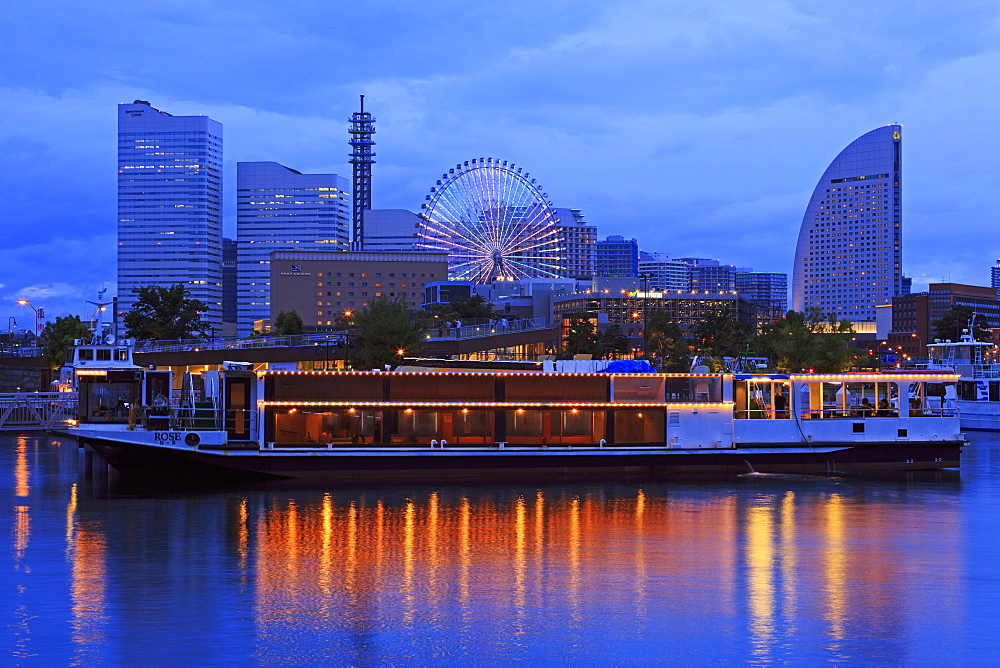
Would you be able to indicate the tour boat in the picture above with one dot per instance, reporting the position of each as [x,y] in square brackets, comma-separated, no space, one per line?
[978,389]
[445,422]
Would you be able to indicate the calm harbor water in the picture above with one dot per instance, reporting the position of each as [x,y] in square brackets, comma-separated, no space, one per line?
[99,570]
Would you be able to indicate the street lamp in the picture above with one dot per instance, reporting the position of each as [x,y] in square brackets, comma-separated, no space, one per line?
[25,302]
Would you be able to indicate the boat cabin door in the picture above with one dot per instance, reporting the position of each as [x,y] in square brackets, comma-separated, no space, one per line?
[238,405]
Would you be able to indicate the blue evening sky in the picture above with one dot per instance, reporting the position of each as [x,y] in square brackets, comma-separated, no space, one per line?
[698,128]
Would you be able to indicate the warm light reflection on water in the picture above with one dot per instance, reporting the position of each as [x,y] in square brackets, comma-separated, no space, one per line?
[766,570]
[22,473]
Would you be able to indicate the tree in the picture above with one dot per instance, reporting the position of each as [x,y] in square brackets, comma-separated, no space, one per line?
[58,336]
[666,341]
[582,338]
[165,314]
[720,334]
[385,327]
[952,323]
[613,342]
[464,307]
[287,323]
[809,340]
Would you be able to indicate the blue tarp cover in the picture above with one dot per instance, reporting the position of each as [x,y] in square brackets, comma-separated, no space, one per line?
[630,366]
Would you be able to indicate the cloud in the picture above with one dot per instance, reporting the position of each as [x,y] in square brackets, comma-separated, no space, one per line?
[699,129]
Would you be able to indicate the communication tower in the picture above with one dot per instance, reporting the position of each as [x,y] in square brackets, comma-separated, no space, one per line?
[362,159]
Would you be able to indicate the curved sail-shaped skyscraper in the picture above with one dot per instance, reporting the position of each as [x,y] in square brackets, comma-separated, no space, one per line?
[848,257]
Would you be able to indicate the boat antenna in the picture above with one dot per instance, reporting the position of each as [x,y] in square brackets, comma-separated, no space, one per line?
[98,332]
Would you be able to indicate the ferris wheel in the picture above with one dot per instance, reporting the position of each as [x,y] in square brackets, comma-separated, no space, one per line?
[493,221]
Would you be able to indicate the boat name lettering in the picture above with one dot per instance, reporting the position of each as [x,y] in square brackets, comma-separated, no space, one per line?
[165,438]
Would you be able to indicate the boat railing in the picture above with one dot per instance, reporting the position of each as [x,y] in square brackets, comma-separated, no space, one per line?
[852,412]
[187,418]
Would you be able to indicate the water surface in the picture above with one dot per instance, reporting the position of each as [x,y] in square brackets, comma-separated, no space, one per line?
[764,569]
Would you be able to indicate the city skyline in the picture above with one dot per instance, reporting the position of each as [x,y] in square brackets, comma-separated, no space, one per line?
[650,118]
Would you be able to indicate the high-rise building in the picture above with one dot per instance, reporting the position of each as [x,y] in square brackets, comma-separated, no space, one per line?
[767,292]
[279,209]
[995,277]
[617,256]
[229,280]
[711,275]
[169,205]
[578,240]
[848,257]
[393,230]
[664,272]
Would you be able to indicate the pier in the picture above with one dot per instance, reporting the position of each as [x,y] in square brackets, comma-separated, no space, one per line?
[29,411]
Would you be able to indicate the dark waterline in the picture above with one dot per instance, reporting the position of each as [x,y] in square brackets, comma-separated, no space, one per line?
[764,569]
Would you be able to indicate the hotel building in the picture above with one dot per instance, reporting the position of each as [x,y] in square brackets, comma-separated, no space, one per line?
[278,208]
[617,256]
[578,240]
[169,205]
[320,286]
[848,256]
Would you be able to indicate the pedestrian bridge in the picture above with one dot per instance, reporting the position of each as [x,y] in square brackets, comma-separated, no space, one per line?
[27,411]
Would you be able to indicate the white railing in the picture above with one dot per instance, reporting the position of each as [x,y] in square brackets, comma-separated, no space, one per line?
[26,411]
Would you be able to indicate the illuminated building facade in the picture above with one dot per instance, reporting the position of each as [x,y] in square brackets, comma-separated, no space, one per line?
[320,286]
[628,309]
[848,256]
[915,316]
[169,205]
[278,208]
[578,240]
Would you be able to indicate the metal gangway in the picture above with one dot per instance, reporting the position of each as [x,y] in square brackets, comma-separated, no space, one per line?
[30,411]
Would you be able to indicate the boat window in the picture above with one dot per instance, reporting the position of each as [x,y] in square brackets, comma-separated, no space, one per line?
[103,355]
[106,402]
[86,354]
[637,427]
[693,388]
[541,388]
[763,398]
[299,427]
[638,389]
[121,354]
[568,427]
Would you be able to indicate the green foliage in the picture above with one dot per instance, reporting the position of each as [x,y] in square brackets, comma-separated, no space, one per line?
[58,336]
[385,327]
[666,342]
[466,308]
[582,338]
[804,341]
[287,323]
[165,314]
[952,323]
[720,334]
[613,342]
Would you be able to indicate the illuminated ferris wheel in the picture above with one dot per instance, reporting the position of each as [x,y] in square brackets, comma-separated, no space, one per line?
[493,221]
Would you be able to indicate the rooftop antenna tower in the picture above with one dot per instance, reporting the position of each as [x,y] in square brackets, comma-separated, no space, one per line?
[362,158]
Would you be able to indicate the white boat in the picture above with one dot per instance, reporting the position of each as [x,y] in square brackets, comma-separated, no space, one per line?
[375,425]
[978,388]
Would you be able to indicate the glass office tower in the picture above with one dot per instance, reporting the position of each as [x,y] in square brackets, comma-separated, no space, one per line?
[281,209]
[169,205]
[848,258]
